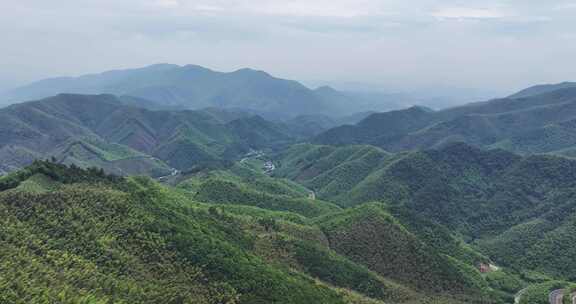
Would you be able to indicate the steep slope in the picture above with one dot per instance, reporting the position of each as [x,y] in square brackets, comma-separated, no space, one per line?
[99,130]
[127,241]
[308,126]
[132,240]
[380,127]
[371,236]
[519,210]
[260,133]
[405,249]
[557,138]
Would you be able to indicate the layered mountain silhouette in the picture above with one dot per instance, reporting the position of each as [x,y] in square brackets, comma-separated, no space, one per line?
[410,206]
[168,86]
[539,123]
[101,130]
[517,209]
[543,88]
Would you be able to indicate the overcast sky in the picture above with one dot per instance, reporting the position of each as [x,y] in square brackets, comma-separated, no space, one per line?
[473,43]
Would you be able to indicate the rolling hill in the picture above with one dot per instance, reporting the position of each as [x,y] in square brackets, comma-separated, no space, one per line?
[107,238]
[518,210]
[539,123]
[412,206]
[100,130]
[169,86]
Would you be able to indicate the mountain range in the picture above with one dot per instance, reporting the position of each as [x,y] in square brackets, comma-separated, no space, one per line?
[178,184]
[518,210]
[170,86]
[540,123]
[101,130]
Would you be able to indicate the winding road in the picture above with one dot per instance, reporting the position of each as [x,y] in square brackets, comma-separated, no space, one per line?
[557,297]
[519,295]
[173,172]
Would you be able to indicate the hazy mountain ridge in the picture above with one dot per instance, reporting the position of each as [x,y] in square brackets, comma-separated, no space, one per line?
[502,120]
[194,87]
[100,130]
[392,211]
[542,89]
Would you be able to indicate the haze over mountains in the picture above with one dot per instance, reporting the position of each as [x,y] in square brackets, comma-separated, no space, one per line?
[170,86]
[101,130]
[146,129]
[539,121]
[195,87]
[178,182]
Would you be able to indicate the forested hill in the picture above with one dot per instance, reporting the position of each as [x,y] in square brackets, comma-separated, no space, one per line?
[409,228]
[101,130]
[518,210]
[540,123]
[71,235]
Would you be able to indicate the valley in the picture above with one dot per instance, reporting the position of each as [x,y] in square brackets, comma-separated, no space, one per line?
[287,152]
[411,206]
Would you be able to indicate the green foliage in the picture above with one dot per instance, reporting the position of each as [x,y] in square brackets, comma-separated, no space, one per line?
[370,236]
[541,123]
[225,192]
[58,173]
[269,224]
[99,130]
[539,293]
[248,176]
[132,242]
[518,210]
[340,272]
[504,281]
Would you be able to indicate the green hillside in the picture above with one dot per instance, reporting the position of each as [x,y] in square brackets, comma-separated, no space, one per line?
[371,236]
[531,123]
[131,240]
[517,210]
[247,216]
[100,130]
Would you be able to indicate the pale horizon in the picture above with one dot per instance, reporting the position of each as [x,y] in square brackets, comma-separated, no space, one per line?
[489,45]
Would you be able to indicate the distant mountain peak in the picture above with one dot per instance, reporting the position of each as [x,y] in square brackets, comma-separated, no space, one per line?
[249,71]
[196,67]
[421,109]
[327,89]
[162,66]
[191,86]
[542,89]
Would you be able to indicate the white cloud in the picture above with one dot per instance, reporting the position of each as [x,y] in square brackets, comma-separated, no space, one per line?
[319,8]
[468,13]
[167,3]
[566,5]
[567,36]
[293,8]
[391,39]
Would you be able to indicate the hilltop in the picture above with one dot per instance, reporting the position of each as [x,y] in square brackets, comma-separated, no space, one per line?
[515,209]
[541,123]
[109,238]
[101,130]
[170,86]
